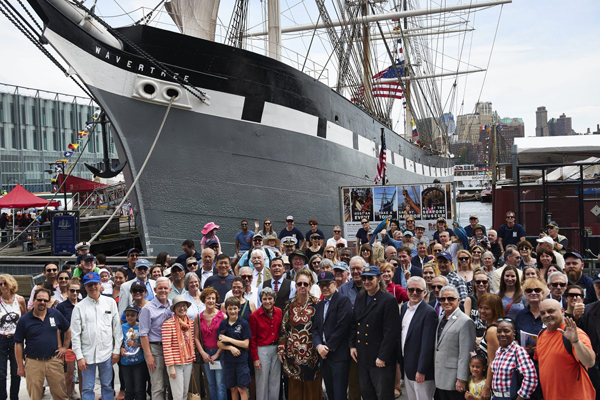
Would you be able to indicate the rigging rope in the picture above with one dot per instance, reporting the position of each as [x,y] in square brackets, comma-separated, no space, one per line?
[491,52]
[139,174]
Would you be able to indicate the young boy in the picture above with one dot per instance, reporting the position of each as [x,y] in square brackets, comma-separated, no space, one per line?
[234,337]
[132,357]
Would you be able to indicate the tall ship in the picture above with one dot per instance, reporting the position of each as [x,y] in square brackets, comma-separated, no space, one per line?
[255,120]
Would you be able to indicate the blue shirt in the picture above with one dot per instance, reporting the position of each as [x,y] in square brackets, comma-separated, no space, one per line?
[469,230]
[240,330]
[152,317]
[221,284]
[181,259]
[526,322]
[350,290]
[511,235]
[318,232]
[295,232]
[138,357]
[245,241]
[40,336]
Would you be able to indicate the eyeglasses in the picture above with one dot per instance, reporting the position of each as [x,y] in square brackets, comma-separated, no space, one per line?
[42,300]
[510,217]
[134,255]
[192,264]
[51,270]
[579,295]
[557,284]
[366,250]
[257,240]
[303,284]
[316,262]
[367,278]
[142,268]
[331,251]
[138,291]
[415,290]
[437,286]
[246,276]
[463,258]
[3,284]
[364,222]
[476,252]
[525,249]
[395,265]
[313,224]
[447,299]
[482,282]
[472,218]
[315,238]
[409,221]
[74,290]
[289,221]
[532,290]
[267,223]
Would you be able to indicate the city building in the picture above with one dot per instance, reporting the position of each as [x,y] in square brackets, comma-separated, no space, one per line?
[541,122]
[36,128]
[509,129]
[469,125]
[561,126]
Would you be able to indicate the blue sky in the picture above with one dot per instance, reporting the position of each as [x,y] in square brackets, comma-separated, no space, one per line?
[546,53]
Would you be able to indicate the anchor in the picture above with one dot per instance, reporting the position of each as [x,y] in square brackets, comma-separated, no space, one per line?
[108,172]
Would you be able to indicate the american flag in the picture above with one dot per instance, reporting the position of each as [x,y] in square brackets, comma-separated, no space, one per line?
[389,89]
[381,164]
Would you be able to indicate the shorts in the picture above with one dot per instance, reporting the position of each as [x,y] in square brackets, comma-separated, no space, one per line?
[70,355]
[237,374]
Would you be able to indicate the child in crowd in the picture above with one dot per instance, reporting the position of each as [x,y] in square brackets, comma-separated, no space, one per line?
[107,284]
[234,338]
[209,233]
[478,368]
[132,358]
[479,238]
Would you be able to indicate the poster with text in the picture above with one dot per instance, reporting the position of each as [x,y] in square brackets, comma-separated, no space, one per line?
[361,199]
[434,202]
[409,202]
[384,202]
[347,208]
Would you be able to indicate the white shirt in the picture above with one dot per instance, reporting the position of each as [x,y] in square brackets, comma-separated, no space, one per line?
[279,283]
[408,316]
[205,276]
[125,298]
[333,242]
[96,331]
[255,274]
[252,296]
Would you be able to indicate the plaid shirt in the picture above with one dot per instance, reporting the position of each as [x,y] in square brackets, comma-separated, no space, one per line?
[506,361]
[459,283]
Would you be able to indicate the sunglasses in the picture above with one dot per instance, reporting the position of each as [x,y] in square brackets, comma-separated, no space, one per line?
[51,270]
[463,258]
[447,299]
[246,276]
[557,284]
[138,291]
[395,265]
[63,279]
[510,217]
[364,222]
[337,231]
[482,282]
[532,290]
[313,224]
[331,251]
[257,240]
[302,284]
[74,290]
[316,262]
[192,264]
[42,301]
[134,256]
[289,221]
[415,290]
[436,286]
[3,284]
[437,251]
[579,295]
[366,250]
[476,252]
[367,278]
[267,223]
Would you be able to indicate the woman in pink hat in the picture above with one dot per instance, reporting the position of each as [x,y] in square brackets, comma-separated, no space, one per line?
[209,232]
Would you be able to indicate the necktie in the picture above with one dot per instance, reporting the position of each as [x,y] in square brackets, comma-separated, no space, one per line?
[276,288]
[259,281]
[437,308]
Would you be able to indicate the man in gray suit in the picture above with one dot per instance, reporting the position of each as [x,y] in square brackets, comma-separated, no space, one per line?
[455,339]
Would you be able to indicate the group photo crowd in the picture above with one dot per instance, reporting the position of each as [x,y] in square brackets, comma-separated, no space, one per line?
[477,314]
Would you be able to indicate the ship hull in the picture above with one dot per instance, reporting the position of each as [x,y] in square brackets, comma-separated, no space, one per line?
[253,153]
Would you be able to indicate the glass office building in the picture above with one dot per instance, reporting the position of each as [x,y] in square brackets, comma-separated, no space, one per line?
[36,128]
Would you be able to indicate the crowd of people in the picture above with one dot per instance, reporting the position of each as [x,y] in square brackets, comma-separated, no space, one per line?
[303,316]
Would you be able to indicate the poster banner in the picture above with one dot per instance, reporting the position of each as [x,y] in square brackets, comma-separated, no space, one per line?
[425,202]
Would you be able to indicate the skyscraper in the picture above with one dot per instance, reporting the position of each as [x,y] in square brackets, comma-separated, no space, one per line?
[541,122]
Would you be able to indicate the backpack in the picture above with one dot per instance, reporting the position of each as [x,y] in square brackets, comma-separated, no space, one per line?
[569,349]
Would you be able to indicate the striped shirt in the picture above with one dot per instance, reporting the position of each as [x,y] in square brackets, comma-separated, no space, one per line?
[171,350]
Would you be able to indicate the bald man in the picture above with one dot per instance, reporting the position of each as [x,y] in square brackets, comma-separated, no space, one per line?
[559,370]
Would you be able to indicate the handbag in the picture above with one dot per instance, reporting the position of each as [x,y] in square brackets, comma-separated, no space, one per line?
[199,359]
[195,395]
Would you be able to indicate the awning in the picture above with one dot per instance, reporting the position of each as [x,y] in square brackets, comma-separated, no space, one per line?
[556,149]
[75,184]
[19,197]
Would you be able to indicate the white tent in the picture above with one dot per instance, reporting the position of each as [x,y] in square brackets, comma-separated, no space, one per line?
[556,149]
[571,172]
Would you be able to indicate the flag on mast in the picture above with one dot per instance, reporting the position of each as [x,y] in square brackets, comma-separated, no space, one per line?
[381,164]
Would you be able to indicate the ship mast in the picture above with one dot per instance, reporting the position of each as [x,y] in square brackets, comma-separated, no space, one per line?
[366,39]
[274,29]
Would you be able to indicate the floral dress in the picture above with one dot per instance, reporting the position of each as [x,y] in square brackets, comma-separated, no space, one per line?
[300,358]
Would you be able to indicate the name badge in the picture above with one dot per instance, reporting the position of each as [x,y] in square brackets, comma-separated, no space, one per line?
[514,234]
[52,322]
[106,312]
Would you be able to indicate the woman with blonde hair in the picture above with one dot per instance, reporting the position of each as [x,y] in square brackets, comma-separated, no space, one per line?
[481,285]
[330,252]
[300,362]
[12,307]
[464,268]
[531,272]
[476,254]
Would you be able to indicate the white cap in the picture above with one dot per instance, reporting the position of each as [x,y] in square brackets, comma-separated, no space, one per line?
[289,217]
[103,270]
[546,239]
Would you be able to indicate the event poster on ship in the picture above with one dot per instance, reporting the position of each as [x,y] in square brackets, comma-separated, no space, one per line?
[424,202]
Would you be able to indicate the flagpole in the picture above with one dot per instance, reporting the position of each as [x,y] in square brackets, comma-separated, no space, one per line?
[383,149]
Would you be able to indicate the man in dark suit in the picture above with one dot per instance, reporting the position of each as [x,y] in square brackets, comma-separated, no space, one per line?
[331,336]
[374,332]
[422,257]
[284,288]
[418,322]
[436,286]
[590,324]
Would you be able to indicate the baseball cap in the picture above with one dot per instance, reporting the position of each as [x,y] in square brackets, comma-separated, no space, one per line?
[341,266]
[408,233]
[326,276]
[441,220]
[177,265]
[552,224]
[92,277]
[446,255]
[597,278]
[137,285]
[546,239]
[133,250]
[572,254]
[289,218]
[88,256]
[257,236]
[371,270]
[132,308]
[211,242]
[142,263]
[473,216]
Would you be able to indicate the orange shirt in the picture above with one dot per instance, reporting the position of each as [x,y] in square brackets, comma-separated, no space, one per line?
[559,370]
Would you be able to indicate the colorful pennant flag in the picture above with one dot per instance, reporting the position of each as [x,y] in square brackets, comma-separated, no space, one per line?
[73,146]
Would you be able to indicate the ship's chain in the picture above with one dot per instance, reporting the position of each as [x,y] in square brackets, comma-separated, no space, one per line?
[37,43]
[194,91]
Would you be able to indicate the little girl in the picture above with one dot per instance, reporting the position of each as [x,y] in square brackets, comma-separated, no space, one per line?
[478,368]
[210,232]
[107,284]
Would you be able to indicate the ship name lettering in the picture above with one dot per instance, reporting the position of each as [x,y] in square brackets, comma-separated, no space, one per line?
[185,78]
[107,56]
[98,49]
[163,74]
[152,69]
[118,58]
[129,64]
[141,67]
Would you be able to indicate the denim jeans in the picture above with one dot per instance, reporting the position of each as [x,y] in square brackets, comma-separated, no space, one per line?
[134,380]
[7,354]
[215,377]
[105,371]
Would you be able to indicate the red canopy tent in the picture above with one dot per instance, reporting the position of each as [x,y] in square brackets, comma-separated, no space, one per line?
[19,197]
